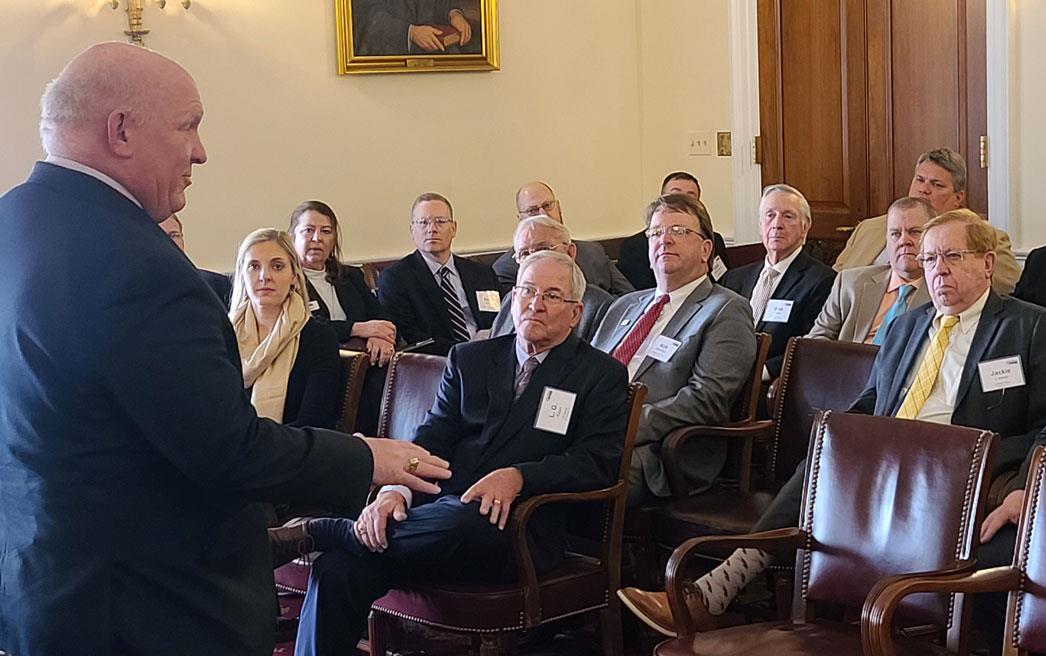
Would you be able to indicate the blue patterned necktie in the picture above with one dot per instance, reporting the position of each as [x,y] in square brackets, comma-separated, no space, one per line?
[899,307]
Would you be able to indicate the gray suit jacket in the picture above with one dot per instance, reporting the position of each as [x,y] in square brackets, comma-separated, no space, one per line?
[592,259]
[697,385]
[851,306]
[596,302]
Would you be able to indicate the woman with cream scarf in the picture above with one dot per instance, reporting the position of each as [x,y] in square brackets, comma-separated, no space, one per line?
[290,363]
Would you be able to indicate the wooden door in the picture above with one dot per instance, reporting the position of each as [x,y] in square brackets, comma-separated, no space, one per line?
[852,91]
[926,89]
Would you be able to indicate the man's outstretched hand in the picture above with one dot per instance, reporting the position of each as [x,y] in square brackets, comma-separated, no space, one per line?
[392,465]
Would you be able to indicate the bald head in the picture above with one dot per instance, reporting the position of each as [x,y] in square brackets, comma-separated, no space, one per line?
[132,114]
[535,198]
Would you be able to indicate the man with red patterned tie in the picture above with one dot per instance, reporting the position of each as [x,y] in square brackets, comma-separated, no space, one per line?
[692,343]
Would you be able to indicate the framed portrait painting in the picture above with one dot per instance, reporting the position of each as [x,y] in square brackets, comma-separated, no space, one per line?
[414,36]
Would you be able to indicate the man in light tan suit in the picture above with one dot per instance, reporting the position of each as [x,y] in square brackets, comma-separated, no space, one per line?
[940,178]
[865,300]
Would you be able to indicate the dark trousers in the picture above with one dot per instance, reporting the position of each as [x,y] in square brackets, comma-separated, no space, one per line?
[441,541]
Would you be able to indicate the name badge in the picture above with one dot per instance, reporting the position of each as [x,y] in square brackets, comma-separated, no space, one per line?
[718,267]
[314,305]
[554,412]
[1001,374]
[489,300]
[664,348]
[777,311]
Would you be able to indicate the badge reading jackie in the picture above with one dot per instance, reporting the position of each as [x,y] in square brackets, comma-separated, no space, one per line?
[1001,374]
[554,412]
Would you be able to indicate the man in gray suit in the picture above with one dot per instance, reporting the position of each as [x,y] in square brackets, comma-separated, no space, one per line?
[690,342]
[536,199]
[865,301]
[540,233]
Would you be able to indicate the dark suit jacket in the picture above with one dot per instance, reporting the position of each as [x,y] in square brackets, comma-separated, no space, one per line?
[130,452]
[356,299]
[314,384]
[633,259]
[592,259]
[476,426]
[807,283]
[220,283]
[1007,327]
[1032,285]
[410,295]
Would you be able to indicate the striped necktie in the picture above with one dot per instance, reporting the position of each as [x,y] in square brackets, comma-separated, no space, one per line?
[899,307]
[525,374]
[450,299]
[928,370]
[762,291]
[626,350]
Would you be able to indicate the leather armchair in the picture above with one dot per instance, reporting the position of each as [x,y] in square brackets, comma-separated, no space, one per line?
[492,614]
[1025,580]
[354,369]
[881,496]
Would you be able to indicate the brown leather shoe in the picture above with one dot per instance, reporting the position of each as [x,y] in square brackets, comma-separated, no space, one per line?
[289,542]
[651,608]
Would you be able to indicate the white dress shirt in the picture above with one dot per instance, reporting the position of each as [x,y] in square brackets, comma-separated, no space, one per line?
[675,301]
[940,404]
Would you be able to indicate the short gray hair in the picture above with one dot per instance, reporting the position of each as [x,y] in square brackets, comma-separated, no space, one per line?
[543,221]
[913,203]
[950,161]
[804,205]
[577,279]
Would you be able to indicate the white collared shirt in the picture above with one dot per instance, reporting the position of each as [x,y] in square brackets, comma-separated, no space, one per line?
[782,268]
[73,165]
[459,289]
[940,404]
[675,302]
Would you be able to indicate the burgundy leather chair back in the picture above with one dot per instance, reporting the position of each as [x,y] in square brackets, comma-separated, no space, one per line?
[354,366]
[1029,623]
[887,496]
[817,374]
[410,388]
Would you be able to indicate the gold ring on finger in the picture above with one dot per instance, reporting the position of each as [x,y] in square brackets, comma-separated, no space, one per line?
[412,464]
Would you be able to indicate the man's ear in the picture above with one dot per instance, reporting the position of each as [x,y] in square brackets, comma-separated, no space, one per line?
[116,126]
[572,250]
[989,263]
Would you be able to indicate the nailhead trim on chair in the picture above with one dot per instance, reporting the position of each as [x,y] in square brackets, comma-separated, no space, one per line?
[782,385]
[1033,511]
[390,376]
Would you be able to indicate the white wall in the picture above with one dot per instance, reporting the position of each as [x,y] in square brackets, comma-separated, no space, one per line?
[281,126]
[1028,132]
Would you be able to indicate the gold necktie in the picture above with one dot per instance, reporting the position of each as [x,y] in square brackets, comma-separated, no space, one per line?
[928,370]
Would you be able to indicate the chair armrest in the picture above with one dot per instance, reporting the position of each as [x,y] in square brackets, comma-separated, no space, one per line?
[671,448]
[517,526]
[776,541]
[885,597]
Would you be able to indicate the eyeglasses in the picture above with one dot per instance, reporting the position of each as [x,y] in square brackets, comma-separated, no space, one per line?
[438,221]
[526,293]
[930,260]
[543,208]
[526,252]
[676,231]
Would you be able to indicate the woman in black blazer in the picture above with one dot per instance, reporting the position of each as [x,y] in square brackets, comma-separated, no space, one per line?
[339,295]
[290,361]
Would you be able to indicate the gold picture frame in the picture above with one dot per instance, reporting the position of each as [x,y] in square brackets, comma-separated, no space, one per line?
[383,36]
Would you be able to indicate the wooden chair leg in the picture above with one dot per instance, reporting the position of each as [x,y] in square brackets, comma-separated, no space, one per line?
[377,633]
[610,628]
[494,644]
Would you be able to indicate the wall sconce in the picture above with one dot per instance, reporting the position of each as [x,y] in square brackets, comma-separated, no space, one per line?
[135,23]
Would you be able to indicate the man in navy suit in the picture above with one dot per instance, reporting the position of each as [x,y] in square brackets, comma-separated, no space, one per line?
[432,293]
[788,290]
[991,375]
[130,454]
[487,421]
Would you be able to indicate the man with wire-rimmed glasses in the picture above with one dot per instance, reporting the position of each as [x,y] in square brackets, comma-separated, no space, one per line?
[691,342]
[540,233]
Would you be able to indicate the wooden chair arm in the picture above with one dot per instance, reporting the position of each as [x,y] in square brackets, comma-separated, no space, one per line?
[517,526]
[672,454]
[886,596]
[776,541]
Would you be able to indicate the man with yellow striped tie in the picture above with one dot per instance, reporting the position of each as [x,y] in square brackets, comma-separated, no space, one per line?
[970,357]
